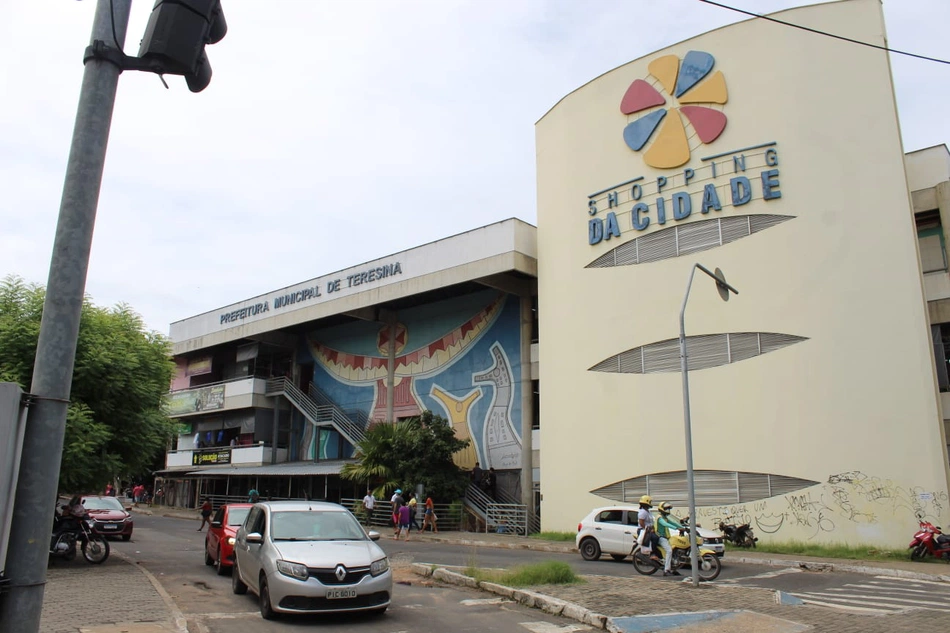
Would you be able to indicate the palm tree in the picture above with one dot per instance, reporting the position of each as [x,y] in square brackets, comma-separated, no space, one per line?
[377,457]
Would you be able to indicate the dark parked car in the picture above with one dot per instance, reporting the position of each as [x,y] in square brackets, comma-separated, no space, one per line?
[111,519]
[219,543]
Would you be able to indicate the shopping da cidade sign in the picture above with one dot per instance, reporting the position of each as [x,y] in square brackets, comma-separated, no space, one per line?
[669,121]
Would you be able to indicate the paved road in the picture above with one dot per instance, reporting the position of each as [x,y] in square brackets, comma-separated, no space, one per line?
[172,550]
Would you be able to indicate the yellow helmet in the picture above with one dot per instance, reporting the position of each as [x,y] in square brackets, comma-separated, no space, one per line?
[665,507]
[647,499]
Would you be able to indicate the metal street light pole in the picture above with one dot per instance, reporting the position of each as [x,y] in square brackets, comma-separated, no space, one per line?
[724,290]
[59,330]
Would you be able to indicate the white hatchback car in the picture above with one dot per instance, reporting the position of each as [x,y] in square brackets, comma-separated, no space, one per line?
[613,529]
[310,557]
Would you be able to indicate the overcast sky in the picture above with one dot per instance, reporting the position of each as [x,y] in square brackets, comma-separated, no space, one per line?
[335,132]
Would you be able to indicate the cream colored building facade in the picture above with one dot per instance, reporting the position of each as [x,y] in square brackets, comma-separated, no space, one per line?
[777,157]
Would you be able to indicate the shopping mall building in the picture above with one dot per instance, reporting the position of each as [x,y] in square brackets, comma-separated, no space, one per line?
[817,393]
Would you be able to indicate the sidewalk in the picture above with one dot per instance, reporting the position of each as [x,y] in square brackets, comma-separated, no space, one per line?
[75,593]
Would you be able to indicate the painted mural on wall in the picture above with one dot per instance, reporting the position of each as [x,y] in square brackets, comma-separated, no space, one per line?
[460,358]
[849,504]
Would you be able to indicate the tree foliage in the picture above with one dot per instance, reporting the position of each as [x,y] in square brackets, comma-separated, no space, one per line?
[115,426]
[408,453]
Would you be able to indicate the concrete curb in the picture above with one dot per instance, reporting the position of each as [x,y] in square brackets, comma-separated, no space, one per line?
[554,606]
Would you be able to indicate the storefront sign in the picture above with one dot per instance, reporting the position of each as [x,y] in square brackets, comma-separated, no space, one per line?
[211,457]
[199,366]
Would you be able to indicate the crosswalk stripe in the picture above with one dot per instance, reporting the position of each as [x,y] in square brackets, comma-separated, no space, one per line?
[550,627]
[845,606]
[914,602]
[880,602]
[912,581]
[926,592]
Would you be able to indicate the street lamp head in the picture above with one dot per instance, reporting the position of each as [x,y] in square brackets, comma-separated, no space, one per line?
[723,287]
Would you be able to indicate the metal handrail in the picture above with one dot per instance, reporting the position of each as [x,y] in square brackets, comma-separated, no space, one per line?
[318,415]
[358,416]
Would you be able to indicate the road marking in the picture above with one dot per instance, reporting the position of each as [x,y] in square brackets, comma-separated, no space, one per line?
[484,601]
[882,600]
[550,627]
[912,581]
[846,607]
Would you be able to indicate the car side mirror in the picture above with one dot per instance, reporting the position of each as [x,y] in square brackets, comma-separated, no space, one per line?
[254,537]
[216,524]
[128,508]
[373,535]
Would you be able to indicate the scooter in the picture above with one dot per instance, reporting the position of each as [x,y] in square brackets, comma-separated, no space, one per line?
[709,563]
[929,541]
[738,535]
[73,524]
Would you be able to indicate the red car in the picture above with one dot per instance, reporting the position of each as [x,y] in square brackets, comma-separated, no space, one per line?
[219,543]
[111,518]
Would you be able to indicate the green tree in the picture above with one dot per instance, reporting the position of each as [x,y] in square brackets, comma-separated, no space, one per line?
[115,424]
[410,452]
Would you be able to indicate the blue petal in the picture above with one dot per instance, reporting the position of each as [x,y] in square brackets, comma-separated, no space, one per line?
[638,133]
[695,66]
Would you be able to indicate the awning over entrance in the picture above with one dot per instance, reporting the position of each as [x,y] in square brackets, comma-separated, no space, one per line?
[285,469]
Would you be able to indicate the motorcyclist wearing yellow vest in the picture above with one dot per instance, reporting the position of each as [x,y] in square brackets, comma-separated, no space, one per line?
[664,524]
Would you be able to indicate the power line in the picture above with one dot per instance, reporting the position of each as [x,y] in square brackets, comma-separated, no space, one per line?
[816,31]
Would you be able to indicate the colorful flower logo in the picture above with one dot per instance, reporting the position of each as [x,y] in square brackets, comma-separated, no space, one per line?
[688,85]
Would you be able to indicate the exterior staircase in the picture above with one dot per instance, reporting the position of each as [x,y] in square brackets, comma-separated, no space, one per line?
[504,513]
[326,414]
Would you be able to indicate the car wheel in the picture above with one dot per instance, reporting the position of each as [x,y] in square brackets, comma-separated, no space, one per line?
[208,560]
[237,586]
[590,549]
[126,537]
[219,564]
[618,557]
[266,611]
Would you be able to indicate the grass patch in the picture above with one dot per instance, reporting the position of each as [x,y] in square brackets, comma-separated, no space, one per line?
[546,573]
[554,536]
[832,550]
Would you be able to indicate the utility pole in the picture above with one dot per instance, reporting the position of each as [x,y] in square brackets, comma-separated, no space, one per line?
[59,330]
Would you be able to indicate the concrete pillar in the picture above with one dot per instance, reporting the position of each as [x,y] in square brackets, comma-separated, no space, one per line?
[527,406]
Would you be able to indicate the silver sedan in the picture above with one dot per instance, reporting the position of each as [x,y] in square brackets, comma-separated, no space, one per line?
[310,557]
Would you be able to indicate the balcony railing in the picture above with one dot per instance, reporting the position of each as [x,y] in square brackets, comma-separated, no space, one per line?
[252,455]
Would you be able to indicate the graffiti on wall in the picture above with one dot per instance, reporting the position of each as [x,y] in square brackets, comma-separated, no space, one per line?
[459,358]
[846,498]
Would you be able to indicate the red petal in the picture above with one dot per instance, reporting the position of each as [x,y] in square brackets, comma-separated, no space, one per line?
[707,122]
[640,96]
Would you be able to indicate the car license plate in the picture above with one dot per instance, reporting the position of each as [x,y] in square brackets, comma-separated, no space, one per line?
[336,594]
[110,526]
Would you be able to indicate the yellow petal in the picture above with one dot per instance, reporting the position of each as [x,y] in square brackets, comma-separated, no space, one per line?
[670,149]
[713,90]
[665,70]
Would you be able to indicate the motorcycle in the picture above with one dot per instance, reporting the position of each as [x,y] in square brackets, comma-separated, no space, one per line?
[929,541]
[71,525]
[738,535]
[709,563]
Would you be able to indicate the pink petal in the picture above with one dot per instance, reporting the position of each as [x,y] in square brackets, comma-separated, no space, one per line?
[707,122]
[640,96]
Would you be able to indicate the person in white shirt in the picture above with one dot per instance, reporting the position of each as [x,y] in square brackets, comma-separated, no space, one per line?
[369,503]
[645,520]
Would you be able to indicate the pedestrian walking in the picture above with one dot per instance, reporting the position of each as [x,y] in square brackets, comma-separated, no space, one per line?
[369,504]
[404,522]
[397,503]
[205,514]
[429,518]
[413,505]
[490,483]
[110,491]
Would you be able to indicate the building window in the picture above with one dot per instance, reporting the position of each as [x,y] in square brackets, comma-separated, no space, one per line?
[930,240]
[536,404]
